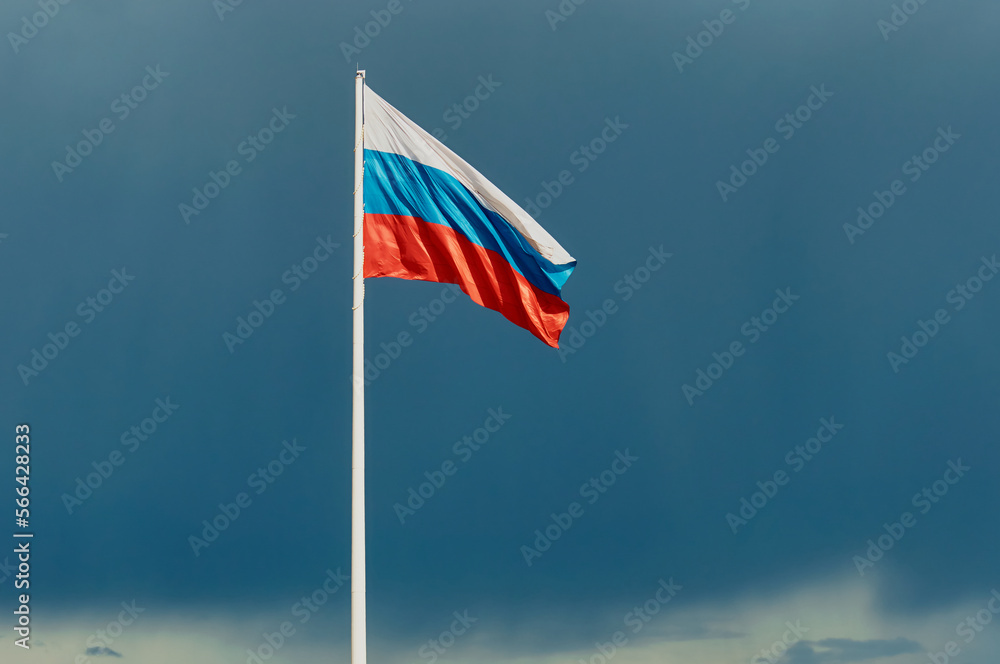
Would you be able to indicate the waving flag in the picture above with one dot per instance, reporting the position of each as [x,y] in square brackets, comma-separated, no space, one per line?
[428,215]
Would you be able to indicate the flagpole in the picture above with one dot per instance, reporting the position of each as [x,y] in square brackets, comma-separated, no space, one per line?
[359,646]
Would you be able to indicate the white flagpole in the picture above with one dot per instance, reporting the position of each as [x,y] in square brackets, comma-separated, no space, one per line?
[359,646]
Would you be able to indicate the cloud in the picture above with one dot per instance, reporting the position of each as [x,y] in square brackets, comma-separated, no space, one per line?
[693,633]
[101,652]
[842,651]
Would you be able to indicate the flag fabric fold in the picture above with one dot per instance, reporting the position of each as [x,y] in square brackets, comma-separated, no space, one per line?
[430,216]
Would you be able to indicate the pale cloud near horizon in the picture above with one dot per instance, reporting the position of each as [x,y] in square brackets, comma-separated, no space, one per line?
[839,623]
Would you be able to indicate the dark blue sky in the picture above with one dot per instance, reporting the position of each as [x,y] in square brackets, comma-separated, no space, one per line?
[763,278]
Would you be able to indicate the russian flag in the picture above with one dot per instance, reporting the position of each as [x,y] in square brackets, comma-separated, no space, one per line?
[428,215]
